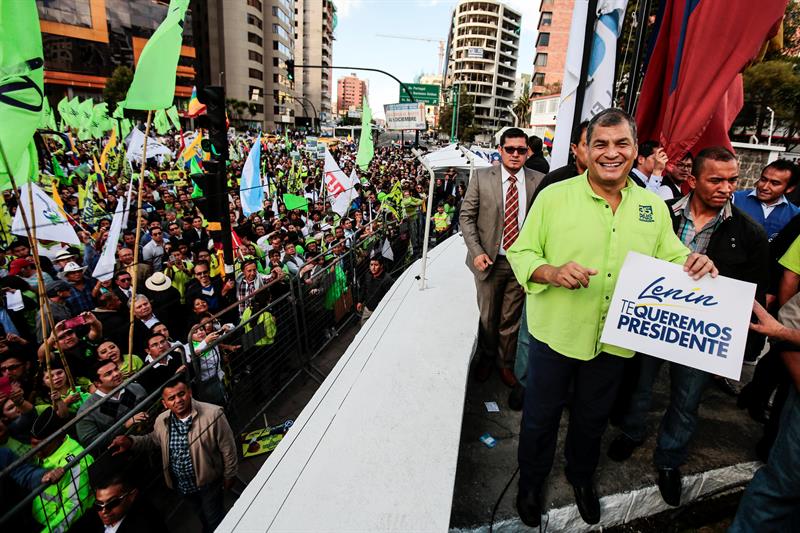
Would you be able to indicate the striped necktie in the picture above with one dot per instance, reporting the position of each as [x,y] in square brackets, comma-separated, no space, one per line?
[511,224]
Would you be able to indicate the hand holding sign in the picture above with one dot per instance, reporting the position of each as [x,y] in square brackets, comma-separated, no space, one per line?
[698,265]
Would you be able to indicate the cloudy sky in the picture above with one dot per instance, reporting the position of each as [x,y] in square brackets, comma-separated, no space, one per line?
[356,43]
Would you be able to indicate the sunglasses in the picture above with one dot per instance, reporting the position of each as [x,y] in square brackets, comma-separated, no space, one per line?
[10,368]
[110,504]
[511,150]
[124,280]
[201,273]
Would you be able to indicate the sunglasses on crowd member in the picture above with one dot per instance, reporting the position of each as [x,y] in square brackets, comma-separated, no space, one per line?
[110,504]
[200,272]
[10,367]
[124,280]
[521,150]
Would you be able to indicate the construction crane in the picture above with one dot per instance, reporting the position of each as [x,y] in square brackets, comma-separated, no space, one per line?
[440,41]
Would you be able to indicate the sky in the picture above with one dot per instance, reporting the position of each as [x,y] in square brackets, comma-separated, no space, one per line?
[356,44]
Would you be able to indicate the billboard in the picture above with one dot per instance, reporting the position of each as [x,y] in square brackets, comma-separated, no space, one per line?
[409,116]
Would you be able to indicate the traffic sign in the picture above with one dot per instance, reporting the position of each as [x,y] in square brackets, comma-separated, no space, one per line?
[428,94]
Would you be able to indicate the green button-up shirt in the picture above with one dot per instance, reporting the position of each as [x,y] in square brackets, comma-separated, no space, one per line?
[569,222]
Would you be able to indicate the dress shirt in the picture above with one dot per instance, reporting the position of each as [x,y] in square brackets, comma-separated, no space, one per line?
[523,202]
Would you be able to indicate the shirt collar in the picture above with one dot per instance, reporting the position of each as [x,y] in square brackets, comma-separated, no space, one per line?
[588,187]
[505,174]
[781,200]
[683,207]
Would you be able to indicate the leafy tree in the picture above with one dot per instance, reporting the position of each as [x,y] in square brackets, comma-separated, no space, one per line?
[237,108]
[774,84]
[522,107]
[466,114]
[117,86]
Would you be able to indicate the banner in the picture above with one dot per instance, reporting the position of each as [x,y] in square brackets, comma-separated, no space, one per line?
[136,146]
[366,150]
[600,76]
[658,310]
[405,116]
[104,270]
[49,220]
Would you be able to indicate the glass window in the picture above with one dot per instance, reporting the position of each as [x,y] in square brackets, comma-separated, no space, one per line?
[255,3]
[256,74]
[281,15]
[253,38]
[541,60]
[255,56]
[280,31]
[538,78]
[543,40]
[546,19]
[255,21]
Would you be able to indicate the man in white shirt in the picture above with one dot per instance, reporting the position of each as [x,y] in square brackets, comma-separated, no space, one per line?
[153,251]
[650,165]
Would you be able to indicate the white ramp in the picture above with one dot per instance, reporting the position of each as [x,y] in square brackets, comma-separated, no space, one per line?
[376,448]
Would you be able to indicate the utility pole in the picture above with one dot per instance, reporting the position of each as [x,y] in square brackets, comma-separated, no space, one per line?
[454,123]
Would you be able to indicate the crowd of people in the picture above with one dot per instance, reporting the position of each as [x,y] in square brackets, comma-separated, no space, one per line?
[80,380]
[546,251]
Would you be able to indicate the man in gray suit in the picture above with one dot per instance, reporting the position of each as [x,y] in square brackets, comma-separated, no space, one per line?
[494,208]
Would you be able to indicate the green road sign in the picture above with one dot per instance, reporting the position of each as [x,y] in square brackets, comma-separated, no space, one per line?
[429,94]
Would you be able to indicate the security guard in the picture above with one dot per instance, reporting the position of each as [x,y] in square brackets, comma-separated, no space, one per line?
[441,221]
[60,506]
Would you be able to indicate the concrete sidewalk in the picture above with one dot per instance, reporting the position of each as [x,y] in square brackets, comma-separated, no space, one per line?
[726,437]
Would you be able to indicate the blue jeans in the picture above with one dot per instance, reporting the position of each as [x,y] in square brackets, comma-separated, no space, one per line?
[680,419]
[523,347]
[547,392]
[772,500]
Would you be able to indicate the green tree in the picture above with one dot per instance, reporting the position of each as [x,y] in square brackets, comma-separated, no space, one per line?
[774,84]
[466,114]
[117,87]
[237,108]
[522,107]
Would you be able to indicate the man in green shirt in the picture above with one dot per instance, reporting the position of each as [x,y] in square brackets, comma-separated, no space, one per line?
[567,257]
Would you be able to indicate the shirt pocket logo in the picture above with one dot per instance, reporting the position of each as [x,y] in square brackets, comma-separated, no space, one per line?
[646,213]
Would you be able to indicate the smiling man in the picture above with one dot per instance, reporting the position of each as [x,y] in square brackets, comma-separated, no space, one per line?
[567,257]
[767,203]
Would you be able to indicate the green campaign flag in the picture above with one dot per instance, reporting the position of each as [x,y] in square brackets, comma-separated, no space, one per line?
[366,150]
[100,122]
[293,201]
[48,121]
[22,90]
[161,122]
[85,112]
[153,84]
[63,107]
[72,116]
[174,117]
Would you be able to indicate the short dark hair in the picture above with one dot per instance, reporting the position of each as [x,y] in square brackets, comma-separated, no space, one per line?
[647,148]
[535,144]
[783,165]
[712,153]
[177,379]
[612,116]
[512,133]
[100,363]
[577,131]
[116,478]
[152,336]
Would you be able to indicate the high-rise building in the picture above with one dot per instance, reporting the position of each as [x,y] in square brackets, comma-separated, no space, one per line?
[314,37]
[483,47]
[350,91]
[85,40]
[555,18]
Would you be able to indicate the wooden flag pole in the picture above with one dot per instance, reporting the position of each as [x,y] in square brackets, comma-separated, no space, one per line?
[135,276]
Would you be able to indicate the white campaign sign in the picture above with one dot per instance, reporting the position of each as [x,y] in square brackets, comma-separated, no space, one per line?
[658,310]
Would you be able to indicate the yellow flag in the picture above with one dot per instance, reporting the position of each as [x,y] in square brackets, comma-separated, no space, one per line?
[191,150]
[81,196]
[112,142]
[96,165]
[57,197]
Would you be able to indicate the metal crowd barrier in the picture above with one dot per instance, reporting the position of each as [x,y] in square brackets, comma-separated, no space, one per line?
[292,321]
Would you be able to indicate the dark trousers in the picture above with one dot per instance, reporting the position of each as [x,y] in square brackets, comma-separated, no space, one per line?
[500,300]
[550,375]
[209,505]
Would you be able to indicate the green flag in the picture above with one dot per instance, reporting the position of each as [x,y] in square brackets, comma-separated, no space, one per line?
[293,201]
[174,117]
[85,112]
[153,84]
[161,122]
[48,117]
[365,148]
[22,90]
[72,116]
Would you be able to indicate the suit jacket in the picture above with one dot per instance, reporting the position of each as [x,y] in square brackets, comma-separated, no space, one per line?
[482,213]
[143,517]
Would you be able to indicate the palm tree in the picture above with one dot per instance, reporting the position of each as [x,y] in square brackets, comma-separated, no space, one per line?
[522,107]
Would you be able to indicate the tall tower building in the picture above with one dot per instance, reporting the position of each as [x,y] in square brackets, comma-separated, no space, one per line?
[483,46]
[280,93]
[350,92]
[555,18]
[316,22]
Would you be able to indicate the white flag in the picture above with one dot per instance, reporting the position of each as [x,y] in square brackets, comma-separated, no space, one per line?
[336,181]
[104,270]
[386,250]
[600,75]
[251,192]
[136,146]
[46,216]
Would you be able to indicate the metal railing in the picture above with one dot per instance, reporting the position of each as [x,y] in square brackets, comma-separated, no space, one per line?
[291,322]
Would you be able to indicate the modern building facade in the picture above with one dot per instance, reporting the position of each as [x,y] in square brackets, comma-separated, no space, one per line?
[350,91]
[555,18]
[85,40]
[432,111]
[483,48]
[314,37]
[544,110]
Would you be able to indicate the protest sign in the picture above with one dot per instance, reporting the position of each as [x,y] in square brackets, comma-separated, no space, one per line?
[658,310]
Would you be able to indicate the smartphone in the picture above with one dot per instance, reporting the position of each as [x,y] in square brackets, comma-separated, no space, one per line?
[75,322]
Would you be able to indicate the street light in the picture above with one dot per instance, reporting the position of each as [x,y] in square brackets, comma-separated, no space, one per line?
[771,125]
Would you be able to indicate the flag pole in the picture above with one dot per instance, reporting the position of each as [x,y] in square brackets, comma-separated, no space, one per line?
[135,276]
[426,242]
[46,313]
[580,92]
